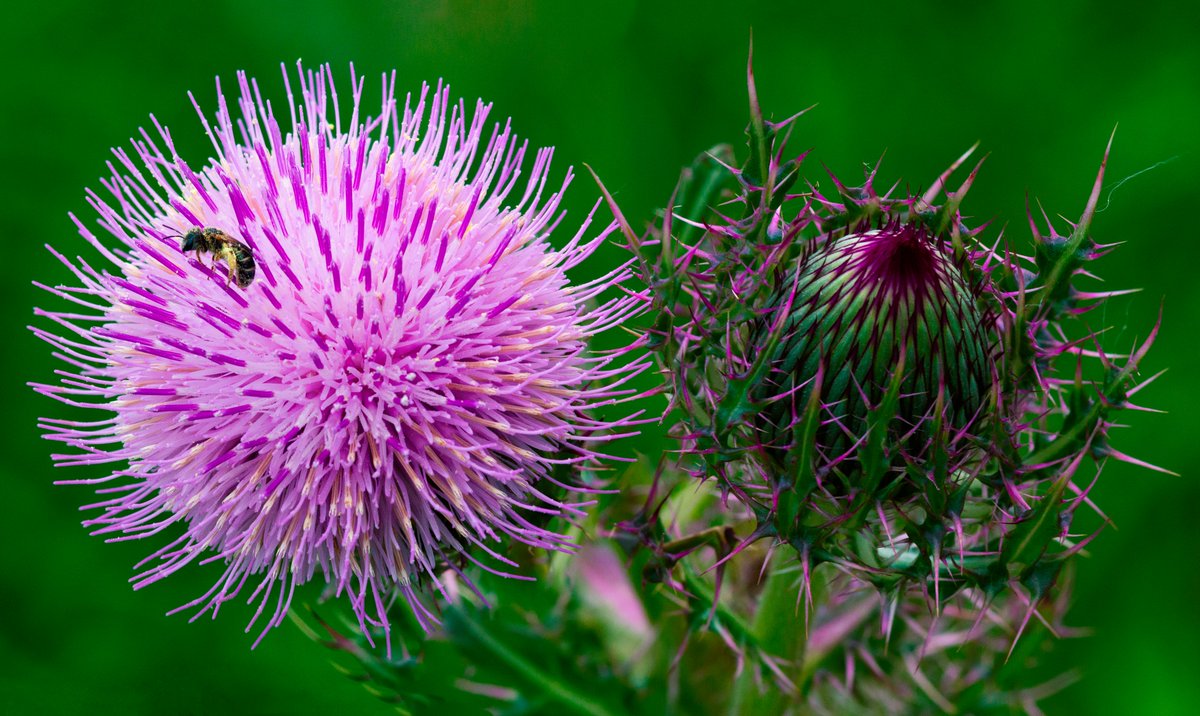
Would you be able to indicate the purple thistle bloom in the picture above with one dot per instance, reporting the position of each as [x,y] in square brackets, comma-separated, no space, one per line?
[392,389]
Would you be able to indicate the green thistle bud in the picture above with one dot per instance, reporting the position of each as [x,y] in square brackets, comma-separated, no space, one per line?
[861,307]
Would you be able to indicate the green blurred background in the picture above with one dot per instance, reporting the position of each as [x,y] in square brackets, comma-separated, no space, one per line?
[635,90]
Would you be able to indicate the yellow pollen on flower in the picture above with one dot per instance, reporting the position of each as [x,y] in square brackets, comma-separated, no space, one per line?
[412,475]
[479,482]
[455,451]
[193,201]
[375,459]
[389,169]
[261,469]
[479,364]
[308,482]
[134,427]
[541,330]
[235,494]
[551,388]
[540,274]
[484,389]
[474,505]
[485,422]
[519,451]
[191,455]
[516,348]
[281,553]
[447,486]
[401,512]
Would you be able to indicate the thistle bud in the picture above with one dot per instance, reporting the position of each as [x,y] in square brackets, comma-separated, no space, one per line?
[861,307]
[889,401]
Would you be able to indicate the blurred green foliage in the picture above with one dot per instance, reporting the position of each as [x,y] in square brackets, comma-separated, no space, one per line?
[636,91]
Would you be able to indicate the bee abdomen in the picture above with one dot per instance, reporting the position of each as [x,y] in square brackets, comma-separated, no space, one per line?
[245,264]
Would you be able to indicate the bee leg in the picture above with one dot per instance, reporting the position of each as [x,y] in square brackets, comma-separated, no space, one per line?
[232,261]
[214,261]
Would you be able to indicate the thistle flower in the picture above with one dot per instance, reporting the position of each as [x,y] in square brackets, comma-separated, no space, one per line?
[394,390]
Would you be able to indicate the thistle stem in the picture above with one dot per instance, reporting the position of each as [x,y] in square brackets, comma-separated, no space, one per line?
[570,700]
[778,634]
[712,535]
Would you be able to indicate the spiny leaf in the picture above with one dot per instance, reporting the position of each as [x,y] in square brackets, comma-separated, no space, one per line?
[1026,543]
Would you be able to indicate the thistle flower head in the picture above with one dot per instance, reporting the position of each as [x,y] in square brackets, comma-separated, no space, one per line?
[394,386]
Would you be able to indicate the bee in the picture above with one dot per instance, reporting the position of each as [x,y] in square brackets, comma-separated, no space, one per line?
[222,246]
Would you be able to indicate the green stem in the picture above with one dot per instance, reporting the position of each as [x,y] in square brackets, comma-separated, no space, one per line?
[780,632]
[712,535]
[572,701]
